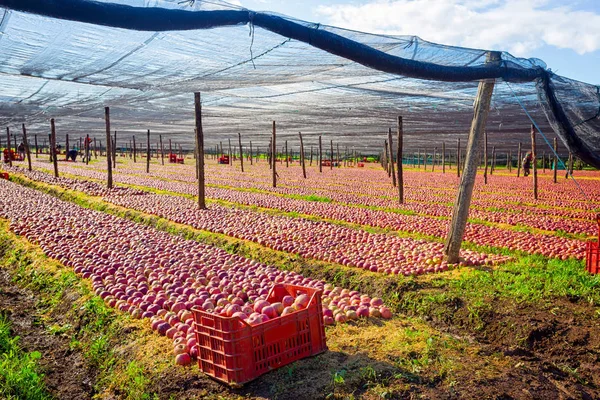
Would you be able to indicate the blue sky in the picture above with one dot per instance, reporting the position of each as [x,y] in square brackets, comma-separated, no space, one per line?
[565,34]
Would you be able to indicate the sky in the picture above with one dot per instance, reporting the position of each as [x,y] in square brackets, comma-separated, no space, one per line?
[565,34]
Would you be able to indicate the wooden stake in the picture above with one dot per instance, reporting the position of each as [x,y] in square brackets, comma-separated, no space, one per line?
[26,144]
[443,157]
[485,157]
[331,154]
[391,157]
[162,150]
[241,152]
[544,161]
[9,148]
[302,160]
[95,153]
[148,151]
[53,146]
[320,155]
[555,163]
[465,191]
[311,155]
[519,161]
[533,156]
[399,162]
[287,158]
[230,153]
[66,146]
[114,151]
[200,152]
[36,146]
[87,149]
[273,154]
[251,154]
[108,153]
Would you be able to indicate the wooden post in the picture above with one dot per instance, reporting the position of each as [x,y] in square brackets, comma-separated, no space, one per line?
[465,191]
[311,155]
[509,161]
[519,161]
[302,160]
[391,157]
[544,161]
[148,151]
[241,152]
[458,159]
[287,157]
[443,157]
[230,153]
[273,154]
[9,147]
[320,155]
[433,159]
[555,163]
[114,150]
[134,150]
[53,146]
[36,146]
[399,161]
[493,160]
[251,154]
[569,166]
[200,152]
[108,152]
[95,148]
[331,155]
[66,146]
[534,166]
[26,144]
[485,157]
[162,150]
[337,158]
[87,149]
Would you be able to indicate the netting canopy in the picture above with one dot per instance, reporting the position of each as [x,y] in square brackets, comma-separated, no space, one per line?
[68,59]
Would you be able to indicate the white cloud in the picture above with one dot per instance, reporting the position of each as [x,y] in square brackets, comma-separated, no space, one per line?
[518,26]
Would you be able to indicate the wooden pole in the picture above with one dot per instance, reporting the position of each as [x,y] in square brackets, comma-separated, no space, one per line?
[66,146]
[485,157]
[302,160]
[114,150]
[251,154]
[533,156]
[53,146]
[26,144]
[391,157]
[36,146]
[273,154]
[148,152]
[458,159]
[443,157]
[311,155]
[544,161]
[87,149]
[465,191]
[200,152]
[569,165]
[331,155]
[337,158]
[399,161]
[433,159]
[108,152]
[230,153]
[134,150]
[519,160]
[493,160]
[287,158]
[320,155]
[95,148]
[9,147]
[241,152]
[162,150]
[509,161]
[555,163]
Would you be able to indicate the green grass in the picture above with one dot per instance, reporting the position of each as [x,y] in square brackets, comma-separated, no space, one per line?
[20,376]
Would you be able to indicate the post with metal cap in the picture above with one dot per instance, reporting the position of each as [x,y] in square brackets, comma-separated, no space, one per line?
[391,151]
[274,154]
[399,161]
[534,162]
[108,152]
[26,144]
[465,190]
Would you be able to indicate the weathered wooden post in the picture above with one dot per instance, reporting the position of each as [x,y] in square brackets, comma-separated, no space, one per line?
[53,146]
[544,161]
[433,159]
[36,146]
[230,153]
[534,166]
[26,144]
[391,157]
[331,155]
[569,166]
[485,157]
[241,151]
[148,152]
[251,153]
[458,159]
[465,191]
[113,147]
[200,151]
[9,147]
[95,148]
[134,150]
[302,160]
[311,155]
[66,146]
[87,149]
[443,157]
[337,158]
[320,155]
[273,154]
[555,162]
[519,155]
[108,152]
[162,150]
[509,161]
[287,157]
[399,160]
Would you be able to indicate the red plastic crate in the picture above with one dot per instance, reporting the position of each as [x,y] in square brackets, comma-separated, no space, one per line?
[592,258]
[232,351]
